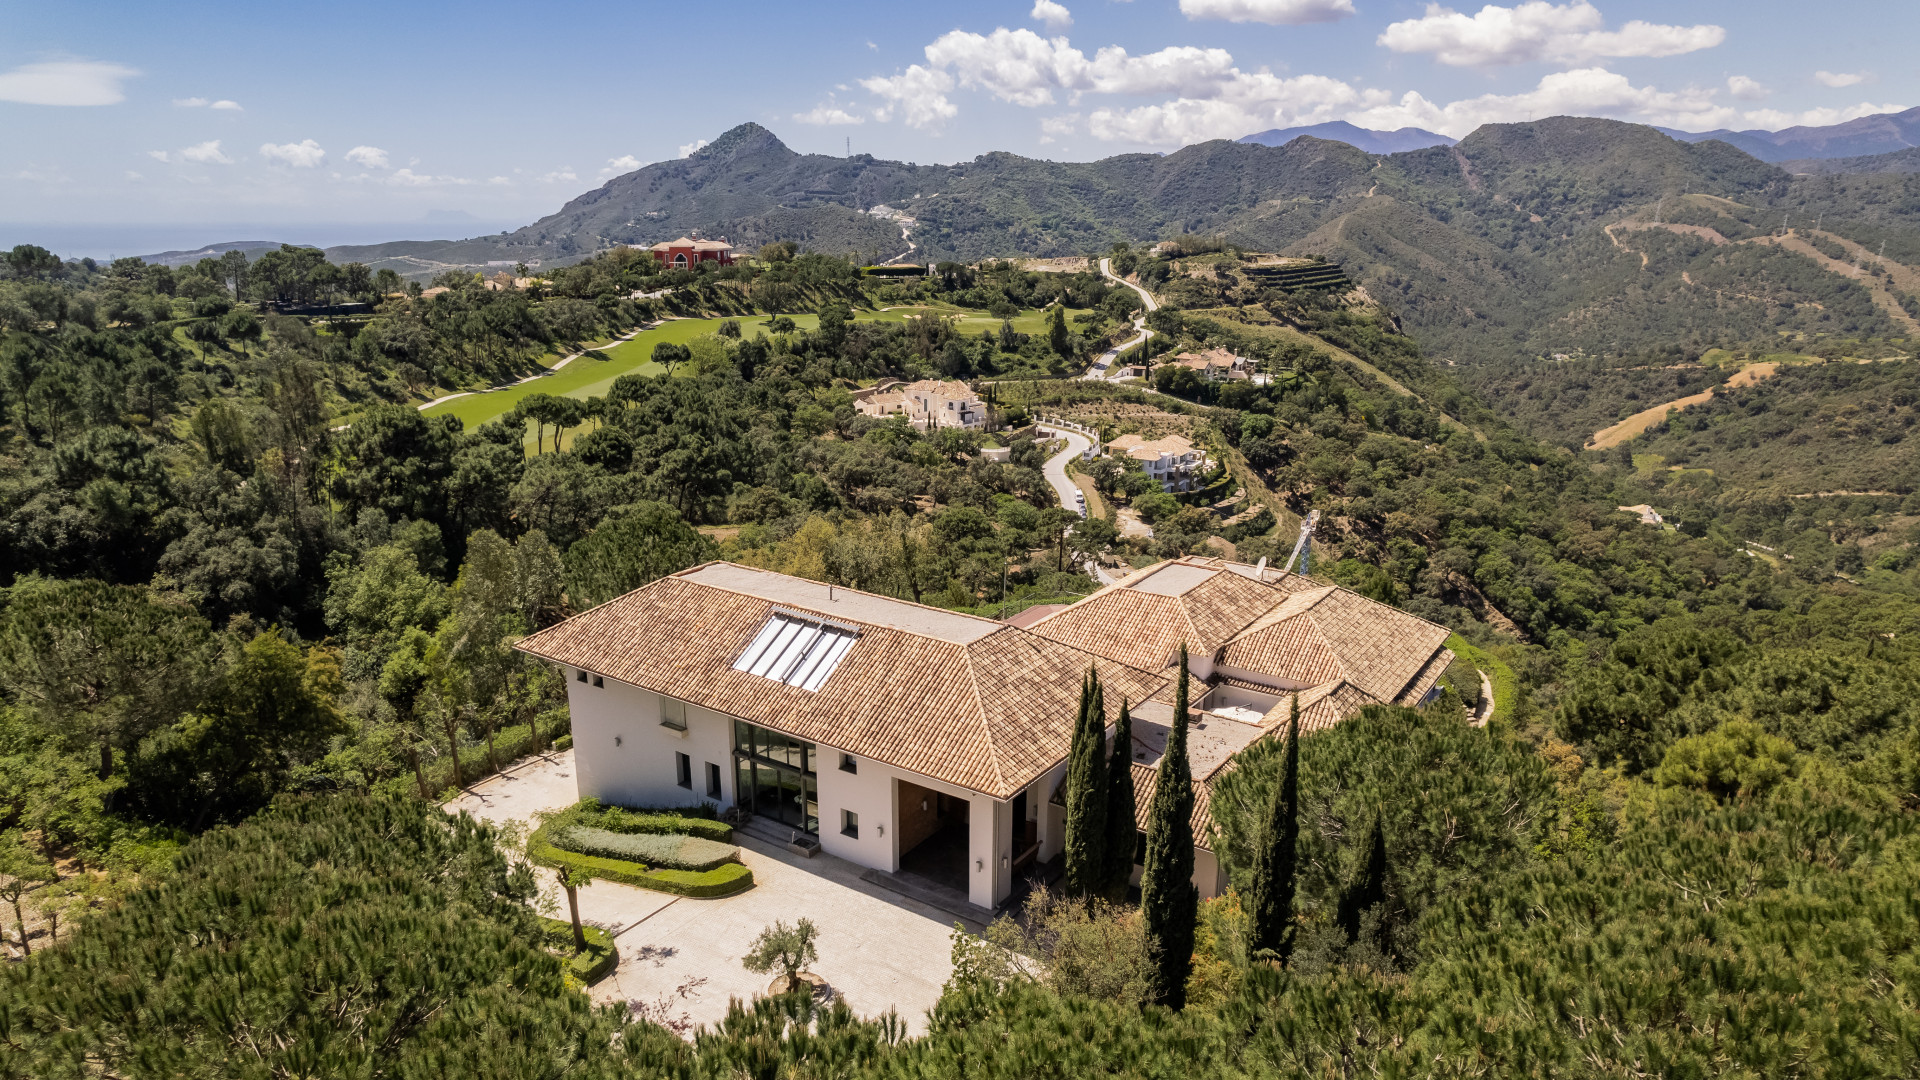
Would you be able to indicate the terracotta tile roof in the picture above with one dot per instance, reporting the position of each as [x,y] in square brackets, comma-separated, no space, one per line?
[1330,632]
[1144,782]
[1139,447]
[1423,682]
[946,388]
[972,702]
[1321,707]
[1141,621]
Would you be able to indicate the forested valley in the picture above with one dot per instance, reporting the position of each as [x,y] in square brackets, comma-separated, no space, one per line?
[259,608]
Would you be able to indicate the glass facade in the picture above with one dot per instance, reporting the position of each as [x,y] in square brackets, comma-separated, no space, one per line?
[774,776]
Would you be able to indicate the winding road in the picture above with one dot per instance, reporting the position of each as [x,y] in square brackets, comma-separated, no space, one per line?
[1105,360]
[1063,485]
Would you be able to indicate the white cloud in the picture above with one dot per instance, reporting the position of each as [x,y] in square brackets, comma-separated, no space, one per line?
[371,157]
[42,174]
[1837,79]
[1272,12]
[499,181]
[1024,68]
[1582,92]
[1212,98]
[1054,15]
[687,149]
[917,95]
[223,104]
[409,178]
[1775,119]
[564,174]
[1746,89]
[1537,31]
[829,114]
[66,82]
[304,154]
[206,153]
[131,175]
[623,163]
[159,155]
[1058,127]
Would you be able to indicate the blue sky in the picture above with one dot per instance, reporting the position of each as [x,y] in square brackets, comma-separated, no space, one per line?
[340,120]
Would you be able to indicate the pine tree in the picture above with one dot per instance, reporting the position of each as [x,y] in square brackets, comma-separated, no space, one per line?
[1168,899]
[1121,830]
[1087,793]
[1271,896]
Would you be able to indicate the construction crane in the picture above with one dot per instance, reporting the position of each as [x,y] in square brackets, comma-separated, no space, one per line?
[1303,548]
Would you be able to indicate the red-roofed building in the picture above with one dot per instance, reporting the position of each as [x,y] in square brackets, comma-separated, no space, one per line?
[688,250]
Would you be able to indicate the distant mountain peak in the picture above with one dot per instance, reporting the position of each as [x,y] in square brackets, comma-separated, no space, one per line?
[747,138]
[1367,139]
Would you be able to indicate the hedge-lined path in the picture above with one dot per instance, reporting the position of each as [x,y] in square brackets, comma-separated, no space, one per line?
[680,958]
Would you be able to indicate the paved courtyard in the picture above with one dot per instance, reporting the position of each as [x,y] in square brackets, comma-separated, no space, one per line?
[680,957]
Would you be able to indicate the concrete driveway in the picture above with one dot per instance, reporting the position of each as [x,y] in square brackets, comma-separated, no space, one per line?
[680,958]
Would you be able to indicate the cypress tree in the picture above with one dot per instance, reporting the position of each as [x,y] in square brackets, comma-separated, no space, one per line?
[1168,900]
[1086,794]
[1274,863]
[1369,887]
[1121,830]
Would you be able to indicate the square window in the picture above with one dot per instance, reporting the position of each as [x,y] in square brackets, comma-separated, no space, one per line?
[713,780]
[850,824]
[581,675]
[847,764]
[599,683]
[673,714]
[683,771]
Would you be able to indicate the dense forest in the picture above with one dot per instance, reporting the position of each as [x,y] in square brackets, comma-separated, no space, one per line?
[259,610]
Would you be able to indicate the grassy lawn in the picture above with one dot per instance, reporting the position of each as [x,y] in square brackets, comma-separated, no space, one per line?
[972,320]
[592,374]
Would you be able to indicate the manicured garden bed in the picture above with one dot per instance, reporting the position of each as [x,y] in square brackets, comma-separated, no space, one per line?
[585,968]
[692,827]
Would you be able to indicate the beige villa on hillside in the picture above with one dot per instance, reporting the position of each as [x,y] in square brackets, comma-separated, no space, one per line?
[928,404]
[931,744]
[1172,459]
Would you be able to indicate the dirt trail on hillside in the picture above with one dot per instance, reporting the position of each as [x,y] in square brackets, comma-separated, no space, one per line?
[1609,437]
[1882,299]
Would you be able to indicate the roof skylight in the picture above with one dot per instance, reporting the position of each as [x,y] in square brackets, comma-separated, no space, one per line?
[796,650]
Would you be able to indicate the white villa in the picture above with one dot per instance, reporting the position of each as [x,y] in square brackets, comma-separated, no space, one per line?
[1171,460]
[917,741]
[929,404]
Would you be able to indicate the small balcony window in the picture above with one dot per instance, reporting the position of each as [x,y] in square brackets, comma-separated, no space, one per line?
[673,714]
[850,824]
[847,764]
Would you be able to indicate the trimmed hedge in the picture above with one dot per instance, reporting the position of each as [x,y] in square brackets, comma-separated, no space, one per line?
[656,850]
[588,967]
[694,821]
[721,881]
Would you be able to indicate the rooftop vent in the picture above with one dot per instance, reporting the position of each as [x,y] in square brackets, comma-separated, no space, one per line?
[796,650]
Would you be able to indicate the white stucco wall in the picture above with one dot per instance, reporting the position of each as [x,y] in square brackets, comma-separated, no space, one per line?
[623,755]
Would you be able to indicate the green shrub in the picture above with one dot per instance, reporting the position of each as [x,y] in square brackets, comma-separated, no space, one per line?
[723,880]
[656,850]
[587,968]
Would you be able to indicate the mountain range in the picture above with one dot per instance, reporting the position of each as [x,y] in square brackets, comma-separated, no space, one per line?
[1368,139]
[1881,133]
[1562,235]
